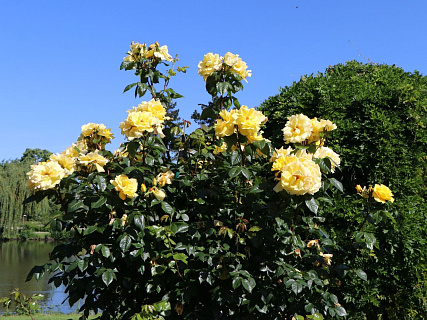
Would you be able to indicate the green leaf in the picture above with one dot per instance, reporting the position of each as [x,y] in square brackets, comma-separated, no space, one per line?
[340,311]
[100,202]
[89,230]
[141,89]
[178,227]
[248,284]
[167,207]
[105,251]
[180,257]
[236,158]
[108,276]
[76,205]
[312,204]
[129,86]
[336,184]
[101,182]
[361,274]
[245,173]
[125,243]
[236,282]
[234,172]
[139,222]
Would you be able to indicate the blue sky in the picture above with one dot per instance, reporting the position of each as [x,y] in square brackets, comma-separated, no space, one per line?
[59,60]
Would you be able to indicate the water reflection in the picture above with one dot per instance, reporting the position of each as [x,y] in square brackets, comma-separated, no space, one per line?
[16,261]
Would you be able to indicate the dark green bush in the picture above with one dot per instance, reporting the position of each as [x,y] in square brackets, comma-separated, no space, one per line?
[381,115]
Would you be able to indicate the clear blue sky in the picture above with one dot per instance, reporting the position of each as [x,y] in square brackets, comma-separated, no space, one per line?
[59,60]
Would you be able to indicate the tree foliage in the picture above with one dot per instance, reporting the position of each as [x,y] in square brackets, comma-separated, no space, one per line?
[13,192]
[381,114]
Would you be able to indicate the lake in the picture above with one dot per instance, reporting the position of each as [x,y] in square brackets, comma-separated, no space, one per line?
[16,260]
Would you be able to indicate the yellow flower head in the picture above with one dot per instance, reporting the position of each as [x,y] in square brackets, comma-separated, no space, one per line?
[226,125]
[237,65]
[299,176]
[153,106]
[249,121]
[211,63]
[45,175]
[324,152]
[125,186]
[93,161]
[320,127]
[140,122]
[92,132]
[297,129]
[220,149]
[66,161]
[136,53]
[382,193]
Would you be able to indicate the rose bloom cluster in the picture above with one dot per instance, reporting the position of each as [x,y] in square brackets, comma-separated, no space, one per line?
[140,51]
[82,155]
[95,136]
[230,62]
[147,117]
[243,121]
[297,173]
[302,129]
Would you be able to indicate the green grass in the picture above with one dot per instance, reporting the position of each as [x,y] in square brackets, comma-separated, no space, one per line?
[53,316]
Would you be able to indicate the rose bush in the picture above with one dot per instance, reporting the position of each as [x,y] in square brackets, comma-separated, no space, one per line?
[216,224]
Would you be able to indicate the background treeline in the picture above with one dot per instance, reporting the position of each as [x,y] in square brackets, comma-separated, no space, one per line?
[381,115]
[19,221]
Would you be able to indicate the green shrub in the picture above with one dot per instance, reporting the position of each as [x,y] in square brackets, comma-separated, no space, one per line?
[381,113]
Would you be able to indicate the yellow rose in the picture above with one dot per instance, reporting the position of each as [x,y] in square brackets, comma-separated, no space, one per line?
[220,149]
[93,161]
[320,127]
[45,175]
[249,121]
[237,65]
[211,63]
[125,186]
[95,131]
[324,152]
[153,106]
[382,193]
[65,160]
[226,125]
[137,51]
[137,123]
[297,129]
[162,53]
[299,176]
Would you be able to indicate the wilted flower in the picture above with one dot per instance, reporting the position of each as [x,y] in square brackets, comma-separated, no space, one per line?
[126,186]
[158,193]
[164,178]
[382,193]
[45,175]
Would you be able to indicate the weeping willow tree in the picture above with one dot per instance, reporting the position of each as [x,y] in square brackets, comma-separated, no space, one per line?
[13,191]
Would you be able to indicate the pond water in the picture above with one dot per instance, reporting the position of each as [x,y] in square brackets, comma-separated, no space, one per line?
[16,260]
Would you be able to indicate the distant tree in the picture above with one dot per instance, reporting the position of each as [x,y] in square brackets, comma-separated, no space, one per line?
[13,191]
[35,155]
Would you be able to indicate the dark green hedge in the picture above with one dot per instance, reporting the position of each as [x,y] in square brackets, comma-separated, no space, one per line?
[381,115]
